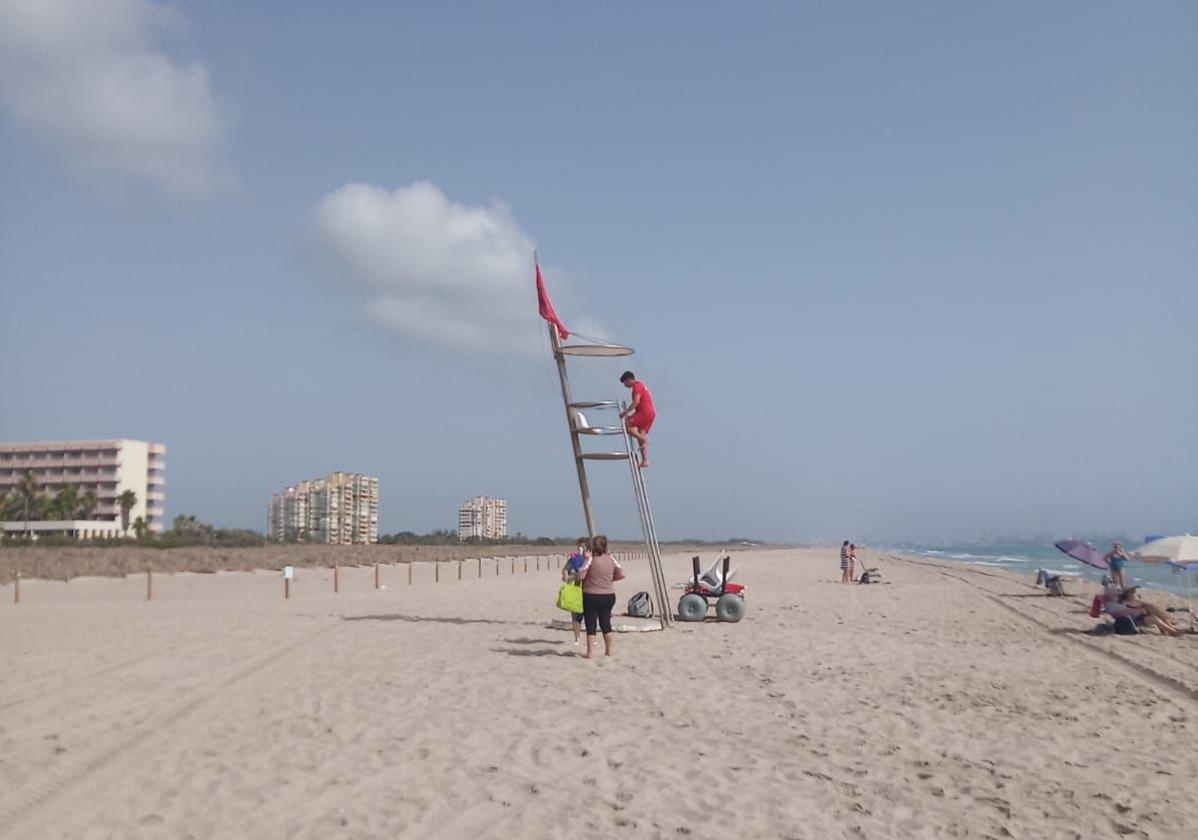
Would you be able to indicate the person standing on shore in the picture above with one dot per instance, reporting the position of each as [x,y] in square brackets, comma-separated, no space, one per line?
[598,574]
[852,562]
[1117,558]
[569,573]
[846,573]
[639,416]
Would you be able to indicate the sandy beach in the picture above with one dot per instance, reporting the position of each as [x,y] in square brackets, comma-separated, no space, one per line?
[947,702]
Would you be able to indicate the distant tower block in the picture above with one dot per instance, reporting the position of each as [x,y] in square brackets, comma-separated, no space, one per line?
[483,518]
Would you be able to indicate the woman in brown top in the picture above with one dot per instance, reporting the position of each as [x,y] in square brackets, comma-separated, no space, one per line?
[598,574]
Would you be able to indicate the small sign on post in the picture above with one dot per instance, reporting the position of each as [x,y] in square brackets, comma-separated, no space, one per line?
[288,575]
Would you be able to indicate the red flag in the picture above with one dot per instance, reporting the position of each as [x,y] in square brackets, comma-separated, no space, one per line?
[546,308]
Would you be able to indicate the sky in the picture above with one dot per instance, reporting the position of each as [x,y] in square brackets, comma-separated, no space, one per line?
[892,272]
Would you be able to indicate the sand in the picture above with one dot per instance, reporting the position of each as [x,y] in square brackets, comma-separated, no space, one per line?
[949,702]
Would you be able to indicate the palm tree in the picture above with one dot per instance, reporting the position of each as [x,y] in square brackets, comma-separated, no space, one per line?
[127,500]
[140,528]
[66,501]
[87,507]
[28,490]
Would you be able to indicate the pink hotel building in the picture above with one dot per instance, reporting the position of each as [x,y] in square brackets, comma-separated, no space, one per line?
[109,467]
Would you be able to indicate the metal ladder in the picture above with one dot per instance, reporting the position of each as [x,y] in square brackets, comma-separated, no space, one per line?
[661,589]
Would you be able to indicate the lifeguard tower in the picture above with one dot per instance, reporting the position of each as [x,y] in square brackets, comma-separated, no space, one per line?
[580,427]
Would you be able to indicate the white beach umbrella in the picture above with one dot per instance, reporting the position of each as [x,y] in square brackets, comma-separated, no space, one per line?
[1176,550]
[1180,551]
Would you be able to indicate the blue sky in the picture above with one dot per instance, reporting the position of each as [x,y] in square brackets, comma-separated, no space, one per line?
[892,272]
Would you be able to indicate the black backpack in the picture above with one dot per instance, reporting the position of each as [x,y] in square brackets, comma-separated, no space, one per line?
[1125,626]
[639,605]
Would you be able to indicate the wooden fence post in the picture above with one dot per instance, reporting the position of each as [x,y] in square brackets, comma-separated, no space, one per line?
[525,565]
[513,565]
[480,566]
[16,586]
[496,567]
[149,581]
[286,588]
[460,564]
[409,573]
[436,571]
[337,577]
[376,575]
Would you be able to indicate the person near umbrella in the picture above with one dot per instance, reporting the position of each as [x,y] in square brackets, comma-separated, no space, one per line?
[1117,558]
[1150,612]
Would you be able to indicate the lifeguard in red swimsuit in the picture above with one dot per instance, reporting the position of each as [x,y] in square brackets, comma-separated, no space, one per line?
[638,417]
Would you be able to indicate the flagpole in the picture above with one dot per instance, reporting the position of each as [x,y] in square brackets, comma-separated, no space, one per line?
[583,487]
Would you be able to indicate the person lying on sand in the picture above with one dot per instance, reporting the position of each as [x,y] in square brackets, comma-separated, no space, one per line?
[870,575]
[1152,614]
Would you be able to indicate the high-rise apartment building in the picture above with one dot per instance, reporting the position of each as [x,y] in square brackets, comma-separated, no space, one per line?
[483,518]
[105,467]
[339,509]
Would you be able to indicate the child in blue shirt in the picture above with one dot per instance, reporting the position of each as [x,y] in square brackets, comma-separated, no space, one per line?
[570,572]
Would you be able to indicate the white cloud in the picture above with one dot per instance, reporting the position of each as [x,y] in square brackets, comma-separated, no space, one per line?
[88,76]
[436,272]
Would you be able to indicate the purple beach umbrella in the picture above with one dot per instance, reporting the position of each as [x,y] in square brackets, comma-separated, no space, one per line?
[1084,552]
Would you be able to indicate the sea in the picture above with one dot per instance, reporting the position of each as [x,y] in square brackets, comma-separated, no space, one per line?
[1028,560]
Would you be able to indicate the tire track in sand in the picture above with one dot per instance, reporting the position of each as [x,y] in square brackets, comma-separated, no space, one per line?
[18,819]
[1136,669]
[66,685]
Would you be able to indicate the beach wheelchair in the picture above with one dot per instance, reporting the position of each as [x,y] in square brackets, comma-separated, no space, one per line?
[713,586]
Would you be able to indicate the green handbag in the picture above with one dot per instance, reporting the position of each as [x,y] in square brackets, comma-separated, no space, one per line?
[569,597]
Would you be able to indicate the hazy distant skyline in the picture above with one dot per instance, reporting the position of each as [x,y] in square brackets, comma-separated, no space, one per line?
[914,273]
